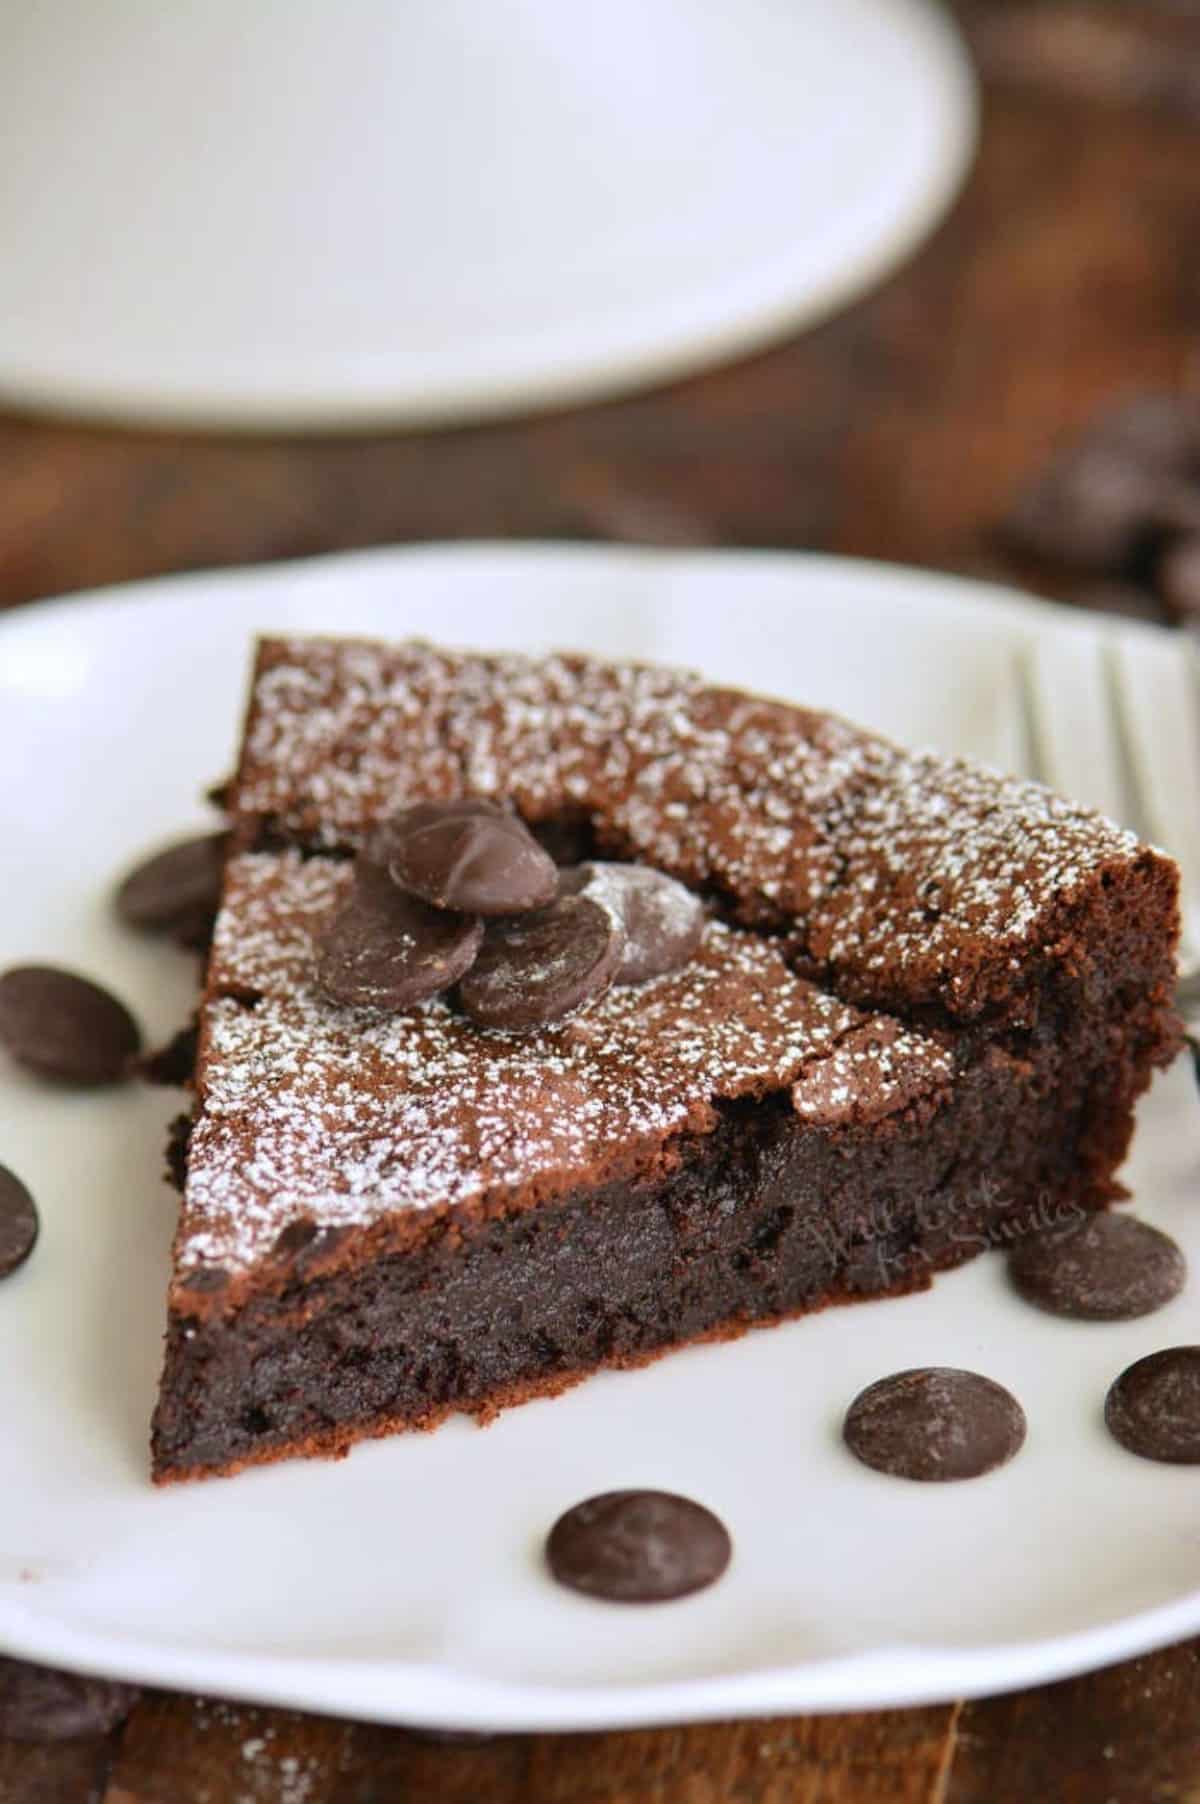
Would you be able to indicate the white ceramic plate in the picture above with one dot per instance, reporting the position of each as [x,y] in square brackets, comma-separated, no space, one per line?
[334,216]
[404,1583]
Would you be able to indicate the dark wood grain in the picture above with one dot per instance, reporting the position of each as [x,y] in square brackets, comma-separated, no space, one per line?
[74,1772]
[1130,1734]
[1068,272]
[183,1751]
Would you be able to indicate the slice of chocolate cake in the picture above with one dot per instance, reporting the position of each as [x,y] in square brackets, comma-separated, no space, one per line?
[923,1006]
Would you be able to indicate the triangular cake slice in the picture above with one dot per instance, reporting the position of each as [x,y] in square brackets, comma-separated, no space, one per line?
[917,1023]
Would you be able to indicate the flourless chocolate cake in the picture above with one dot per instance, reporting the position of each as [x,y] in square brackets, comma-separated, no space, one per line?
[924,1002]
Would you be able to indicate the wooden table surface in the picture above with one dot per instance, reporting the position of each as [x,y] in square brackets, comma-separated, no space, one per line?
[1070,270]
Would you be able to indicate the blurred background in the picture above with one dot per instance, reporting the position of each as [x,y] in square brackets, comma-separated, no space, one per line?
[906,426]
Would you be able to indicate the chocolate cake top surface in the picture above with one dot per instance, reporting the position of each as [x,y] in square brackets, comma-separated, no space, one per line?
[908,879]
[310,1111]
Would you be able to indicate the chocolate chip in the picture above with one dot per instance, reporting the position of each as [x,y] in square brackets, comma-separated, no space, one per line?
[1106,1268]
[536,968]
[1179,578]
[1094,505]
[934,1423]
[638,1547]
[470,855]
[177,890]
[1106,501]
[388,950]
[1153,1408]
[64,1026]
[663,920]
[1159,430]
[39,1703]
[18,1222]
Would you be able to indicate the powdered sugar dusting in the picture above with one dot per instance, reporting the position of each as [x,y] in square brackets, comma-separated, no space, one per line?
[347,1117]
[908,877]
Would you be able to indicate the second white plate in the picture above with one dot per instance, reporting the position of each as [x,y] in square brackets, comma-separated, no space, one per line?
[334,216]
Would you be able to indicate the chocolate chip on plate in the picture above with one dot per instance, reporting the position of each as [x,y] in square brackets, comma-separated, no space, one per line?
[470,855]
[638,1547]
[533,969]
[663,920]
[177,890]
[934,1423]
[18,1222]
[1106,1268]
[388,950]
[40,1703]
[64,1026]
[1153,1408]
